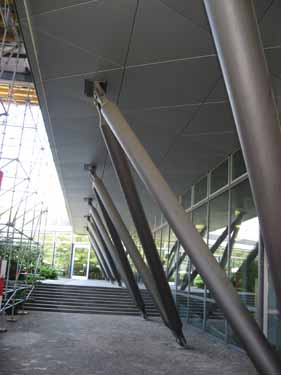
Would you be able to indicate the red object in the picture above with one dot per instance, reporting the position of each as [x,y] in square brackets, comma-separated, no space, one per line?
[2,285]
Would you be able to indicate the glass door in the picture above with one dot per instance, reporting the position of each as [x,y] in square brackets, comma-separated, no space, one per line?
[80,263]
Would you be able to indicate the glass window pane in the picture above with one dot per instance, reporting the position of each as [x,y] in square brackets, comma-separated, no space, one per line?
[48,253]
[165,246]
[81,238]
[238,165]
[218,245]
[158,240]
[63,236]
[62,259]
[80,261]
[95,272]
[186,199]
[171,269]
[200,190]
[274,321]
[244,246]
[219,176]
[196,299]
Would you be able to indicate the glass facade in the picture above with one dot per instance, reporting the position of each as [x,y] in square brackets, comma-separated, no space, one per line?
[70,255]
[223,211]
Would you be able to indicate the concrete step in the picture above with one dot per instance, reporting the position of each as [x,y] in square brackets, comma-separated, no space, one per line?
[92,300]
[93,292]
[71,309]
[88,300]
[80,311]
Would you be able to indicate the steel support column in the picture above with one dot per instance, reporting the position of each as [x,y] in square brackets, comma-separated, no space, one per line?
[133,285]
[240,51]
[123,266]
[129,190]
[253,340]
[102,246]
[103,260]
[95,250]
[99,261]
[129,244]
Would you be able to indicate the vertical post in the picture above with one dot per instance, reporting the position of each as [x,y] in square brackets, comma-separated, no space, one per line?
[71,260]
[128,187]
[124,263]
[3,266]
[240,51]
[260,351]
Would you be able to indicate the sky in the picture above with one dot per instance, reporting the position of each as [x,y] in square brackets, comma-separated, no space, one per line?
[35,160]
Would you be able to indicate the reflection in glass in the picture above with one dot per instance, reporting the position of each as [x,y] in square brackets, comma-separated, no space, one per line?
[238,165]
[200,190]
[172,258]
[157,240]
[218,245]
[95,272]
[62,259]
[274,323]
[165,246]
[219,177]
[80,262]
[48,253]
[243,266]
[186,199]
[197,287]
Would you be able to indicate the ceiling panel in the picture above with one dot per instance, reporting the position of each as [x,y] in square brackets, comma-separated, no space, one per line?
[159,61]
[194,11]
[270,24]
[42,6]
[160,34]
[169,83]
[79,61]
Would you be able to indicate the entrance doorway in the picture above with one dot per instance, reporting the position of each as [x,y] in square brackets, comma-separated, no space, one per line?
[80,262]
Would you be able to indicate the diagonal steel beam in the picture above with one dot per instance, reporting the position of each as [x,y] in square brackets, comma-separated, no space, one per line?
[129,244]
[123,266]
[248,82]
[100,251]
[129,190]
[102,245]
[258,348]
[171,256]
[99,262]
[97,254]
[214,248]
[133,285]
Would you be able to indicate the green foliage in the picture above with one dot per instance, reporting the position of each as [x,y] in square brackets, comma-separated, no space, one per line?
[62,259]
[47,272]
[32,279]
[245,281]
[198,282]
[95,272]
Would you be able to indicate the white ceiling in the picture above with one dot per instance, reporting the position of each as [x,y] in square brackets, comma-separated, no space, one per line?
[159,61]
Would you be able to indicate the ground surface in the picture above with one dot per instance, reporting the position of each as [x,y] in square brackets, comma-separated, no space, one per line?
[59,344]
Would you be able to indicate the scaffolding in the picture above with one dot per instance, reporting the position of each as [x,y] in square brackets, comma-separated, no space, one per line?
[23,166]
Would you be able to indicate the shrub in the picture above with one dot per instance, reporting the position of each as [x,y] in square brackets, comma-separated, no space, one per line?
[47,272]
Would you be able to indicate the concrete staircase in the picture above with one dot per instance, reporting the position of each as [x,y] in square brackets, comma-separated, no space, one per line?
[87,300]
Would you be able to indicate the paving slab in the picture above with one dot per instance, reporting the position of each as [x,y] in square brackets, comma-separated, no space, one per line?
[76,344]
